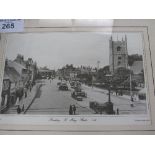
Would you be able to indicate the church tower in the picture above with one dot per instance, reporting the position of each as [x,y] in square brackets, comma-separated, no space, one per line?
[118,54]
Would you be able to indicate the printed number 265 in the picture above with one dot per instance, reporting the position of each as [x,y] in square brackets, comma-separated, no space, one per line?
[8,26]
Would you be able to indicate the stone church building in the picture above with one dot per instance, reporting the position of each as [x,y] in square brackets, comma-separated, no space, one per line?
[118,56]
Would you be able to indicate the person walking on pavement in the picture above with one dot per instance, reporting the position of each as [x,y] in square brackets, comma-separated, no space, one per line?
[70,110]
[117,111]
[23,108]
[74,109]
[30,86]
[25,91]
[18,110]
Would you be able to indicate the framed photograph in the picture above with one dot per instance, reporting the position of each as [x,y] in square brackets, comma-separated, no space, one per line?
[76,78]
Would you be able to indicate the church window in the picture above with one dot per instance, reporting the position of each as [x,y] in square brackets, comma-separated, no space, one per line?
[119,58]
[118,63]
[118,48]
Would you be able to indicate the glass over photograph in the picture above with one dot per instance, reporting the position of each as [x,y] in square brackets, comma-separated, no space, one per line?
[74,73]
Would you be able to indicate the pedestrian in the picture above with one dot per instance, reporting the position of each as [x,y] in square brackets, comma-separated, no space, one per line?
[121,93]
[17,101]
[74,109]
[30,87]
[117,111]
[23,107]
[70,110]
[18,110]
[116,92]
[25,91]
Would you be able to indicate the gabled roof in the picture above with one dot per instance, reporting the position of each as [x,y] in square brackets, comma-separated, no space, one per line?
[18,67]
[12,74]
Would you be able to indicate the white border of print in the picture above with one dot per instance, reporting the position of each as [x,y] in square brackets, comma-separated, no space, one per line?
[77,123]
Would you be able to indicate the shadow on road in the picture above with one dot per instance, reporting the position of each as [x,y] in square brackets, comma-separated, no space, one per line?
[39,91]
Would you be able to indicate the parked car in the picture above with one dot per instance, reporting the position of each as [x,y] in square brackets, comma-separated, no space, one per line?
[142,94]
[101,108]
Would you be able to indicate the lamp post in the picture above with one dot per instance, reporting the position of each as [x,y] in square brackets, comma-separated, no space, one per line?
[109,104]
[109,76]
[131,97]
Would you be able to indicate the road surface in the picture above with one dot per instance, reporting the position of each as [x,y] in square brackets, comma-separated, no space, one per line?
[50,100]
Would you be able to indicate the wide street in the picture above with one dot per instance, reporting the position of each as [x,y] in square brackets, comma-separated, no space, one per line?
[50,100]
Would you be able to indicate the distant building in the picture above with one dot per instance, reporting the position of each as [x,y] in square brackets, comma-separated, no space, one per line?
[44,73]
[118,55]
[28,66]
[20,60]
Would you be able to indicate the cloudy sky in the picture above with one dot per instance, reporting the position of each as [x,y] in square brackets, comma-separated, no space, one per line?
[57,49]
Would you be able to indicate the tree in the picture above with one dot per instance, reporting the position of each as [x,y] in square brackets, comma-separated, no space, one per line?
[85,77]
[69,66]
[126,84]
[45,67]
[134,57]
[102,72]
[120,75]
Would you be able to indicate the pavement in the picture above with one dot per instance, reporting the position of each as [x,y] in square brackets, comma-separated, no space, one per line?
[24,101]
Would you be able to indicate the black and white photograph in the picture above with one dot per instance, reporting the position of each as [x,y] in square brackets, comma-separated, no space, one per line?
[74,73]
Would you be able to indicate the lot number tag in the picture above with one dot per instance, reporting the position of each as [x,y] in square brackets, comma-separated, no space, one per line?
[11,25]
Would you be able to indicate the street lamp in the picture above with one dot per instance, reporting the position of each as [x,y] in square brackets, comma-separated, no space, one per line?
[109,76]
[109,104]
[131,97]
[98,65]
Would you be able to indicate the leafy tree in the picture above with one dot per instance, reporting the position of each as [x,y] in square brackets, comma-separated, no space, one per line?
[86,77]
[45,67]
[134,57]
[120,75]
[127,83]
[102,72]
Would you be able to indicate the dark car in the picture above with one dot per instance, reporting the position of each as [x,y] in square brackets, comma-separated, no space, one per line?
[63,87]
[79,98]
[83,94]
[59,83]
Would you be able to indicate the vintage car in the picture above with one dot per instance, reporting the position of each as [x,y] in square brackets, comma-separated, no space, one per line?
[63,86]
[100,108]
[79,98]
[59,83]
[83,93]
[77,95]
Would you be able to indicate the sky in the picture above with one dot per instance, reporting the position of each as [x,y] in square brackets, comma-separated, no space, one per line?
[56,49]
